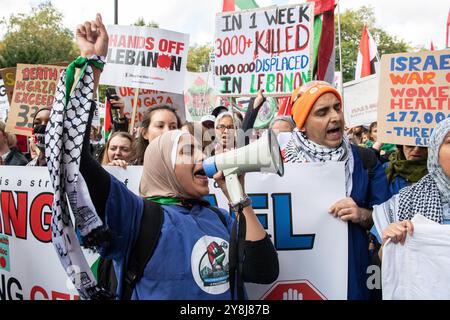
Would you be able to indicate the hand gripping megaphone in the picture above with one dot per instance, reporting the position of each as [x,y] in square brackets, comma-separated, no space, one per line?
[263,155]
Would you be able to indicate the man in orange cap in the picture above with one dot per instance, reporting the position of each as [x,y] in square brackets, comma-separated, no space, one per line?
[319,137]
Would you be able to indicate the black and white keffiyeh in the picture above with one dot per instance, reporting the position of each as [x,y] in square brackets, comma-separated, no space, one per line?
[300,149]
[421,198]
[427,197]
[64,141]
[430,193]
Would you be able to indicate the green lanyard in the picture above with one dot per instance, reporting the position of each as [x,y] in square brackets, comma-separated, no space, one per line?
[80,62]
[164,200]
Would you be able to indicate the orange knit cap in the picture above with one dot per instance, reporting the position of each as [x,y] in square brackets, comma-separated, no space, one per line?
[304,97]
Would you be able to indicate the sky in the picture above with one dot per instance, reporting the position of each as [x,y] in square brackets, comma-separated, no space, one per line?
[416,21]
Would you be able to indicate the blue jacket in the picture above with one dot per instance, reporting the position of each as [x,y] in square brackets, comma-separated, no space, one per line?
[190,261]
[397,183]
[366,194]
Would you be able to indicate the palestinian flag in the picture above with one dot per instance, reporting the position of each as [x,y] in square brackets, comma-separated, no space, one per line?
[230,5]
[246,4]
[108,120]
[323,59]
[367,56]
[284,106]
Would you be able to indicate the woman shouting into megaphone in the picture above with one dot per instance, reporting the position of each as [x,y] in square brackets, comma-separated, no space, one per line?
[185,242]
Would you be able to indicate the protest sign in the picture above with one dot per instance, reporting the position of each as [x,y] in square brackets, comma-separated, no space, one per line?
[267,48]
[360,101]
[9,78]
[303,231]
[148,99]
[29,266]
[4,104]
[148,58]
[199,94]
[267,112]
[96,117]
[338,81]
[418,269]
[34,89]
[414,96]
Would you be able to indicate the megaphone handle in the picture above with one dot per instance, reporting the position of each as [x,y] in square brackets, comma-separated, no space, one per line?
[234,188]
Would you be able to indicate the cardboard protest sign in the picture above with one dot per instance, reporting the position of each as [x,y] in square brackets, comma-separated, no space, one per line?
[150,98]
[34,89]
[4,103]
[361,101]
[9,78]
[414,96]
[148,58]
[267,48]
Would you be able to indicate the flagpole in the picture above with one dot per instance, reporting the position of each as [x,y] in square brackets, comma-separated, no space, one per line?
[133,114]
[116,11]
[339,38]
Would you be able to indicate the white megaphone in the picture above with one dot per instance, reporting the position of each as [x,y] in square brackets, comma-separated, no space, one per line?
[263,155]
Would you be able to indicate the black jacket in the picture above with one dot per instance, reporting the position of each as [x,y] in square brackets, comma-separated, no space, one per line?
[15,158]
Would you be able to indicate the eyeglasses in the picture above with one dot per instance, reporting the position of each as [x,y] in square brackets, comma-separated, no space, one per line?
[223,127]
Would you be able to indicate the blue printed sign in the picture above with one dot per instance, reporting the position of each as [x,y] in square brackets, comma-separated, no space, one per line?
[294,209]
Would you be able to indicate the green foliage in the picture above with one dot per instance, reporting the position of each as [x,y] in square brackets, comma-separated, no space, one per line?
[352,23]
[140,22]
[199,58]
[36,38]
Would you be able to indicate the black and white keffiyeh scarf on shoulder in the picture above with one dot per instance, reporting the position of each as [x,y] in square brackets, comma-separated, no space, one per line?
[428,196]
[64,141]
[300,149]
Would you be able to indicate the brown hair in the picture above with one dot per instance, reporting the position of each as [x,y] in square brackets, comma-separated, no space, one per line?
[121,134]
[11,139]
[372,125]
[142,143]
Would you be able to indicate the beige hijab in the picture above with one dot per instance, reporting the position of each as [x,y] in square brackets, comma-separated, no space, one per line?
[158,175]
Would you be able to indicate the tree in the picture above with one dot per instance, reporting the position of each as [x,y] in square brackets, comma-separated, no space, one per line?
[352,23]
[140,22]
[199,58]
[36,38]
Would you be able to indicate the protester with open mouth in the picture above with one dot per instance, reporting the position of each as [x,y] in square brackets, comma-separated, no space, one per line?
[120,149]
[319,137]
[191,256]
[429,197]
[227,125]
